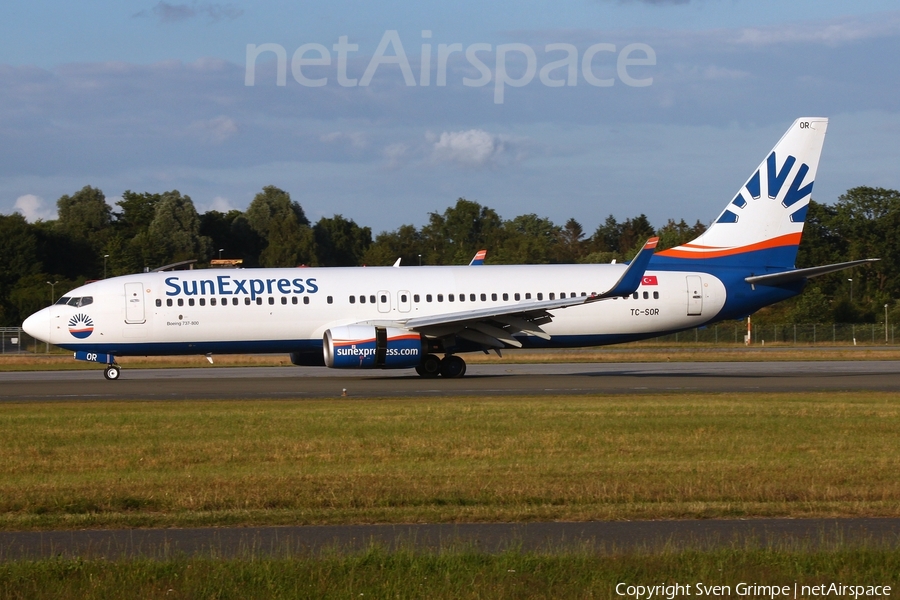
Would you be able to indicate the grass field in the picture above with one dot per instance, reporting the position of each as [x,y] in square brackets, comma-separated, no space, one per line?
[680,455]
[455,574]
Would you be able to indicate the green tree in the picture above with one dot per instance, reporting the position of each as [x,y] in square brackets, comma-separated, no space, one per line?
[284,227]
[174,233]
[570,246]
[528,239]
[341,242]
[456,235]
[405,243]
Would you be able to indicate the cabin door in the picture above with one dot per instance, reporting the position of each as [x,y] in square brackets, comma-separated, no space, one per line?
[694,296]
[134,303]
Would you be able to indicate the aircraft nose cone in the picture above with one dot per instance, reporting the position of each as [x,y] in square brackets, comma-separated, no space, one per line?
[38,325]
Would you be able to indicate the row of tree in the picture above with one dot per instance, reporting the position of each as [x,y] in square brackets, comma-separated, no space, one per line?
[90,240]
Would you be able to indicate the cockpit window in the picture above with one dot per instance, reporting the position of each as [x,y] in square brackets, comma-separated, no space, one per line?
[63,300]
[77,302]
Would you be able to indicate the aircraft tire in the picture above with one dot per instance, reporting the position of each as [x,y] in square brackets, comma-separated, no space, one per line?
[111,372]
[430,367]
[453,367]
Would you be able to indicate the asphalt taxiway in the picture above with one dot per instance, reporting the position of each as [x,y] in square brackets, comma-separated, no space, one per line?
[486,379]
[595,537]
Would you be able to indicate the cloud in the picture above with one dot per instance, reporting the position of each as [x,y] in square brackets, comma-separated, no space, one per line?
[472,148]
[215,130]
[356,138]
[33,209]
[173,13]
[831,32]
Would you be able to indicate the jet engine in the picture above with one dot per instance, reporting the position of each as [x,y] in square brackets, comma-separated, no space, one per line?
[368,347]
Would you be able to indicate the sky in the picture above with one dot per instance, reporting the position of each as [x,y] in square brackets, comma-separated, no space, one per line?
[385,112]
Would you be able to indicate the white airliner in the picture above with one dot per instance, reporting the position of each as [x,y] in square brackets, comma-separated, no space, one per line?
[423,317]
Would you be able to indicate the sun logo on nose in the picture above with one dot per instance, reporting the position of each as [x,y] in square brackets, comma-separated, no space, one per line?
[81,326]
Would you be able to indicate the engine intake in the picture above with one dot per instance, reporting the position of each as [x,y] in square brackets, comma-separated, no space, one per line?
[367,347]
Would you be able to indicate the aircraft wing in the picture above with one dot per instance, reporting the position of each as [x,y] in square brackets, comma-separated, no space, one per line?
[494,327]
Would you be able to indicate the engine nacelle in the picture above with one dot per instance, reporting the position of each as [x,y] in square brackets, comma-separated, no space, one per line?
[367,347]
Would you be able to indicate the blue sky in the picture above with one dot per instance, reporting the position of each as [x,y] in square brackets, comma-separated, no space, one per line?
[151,96]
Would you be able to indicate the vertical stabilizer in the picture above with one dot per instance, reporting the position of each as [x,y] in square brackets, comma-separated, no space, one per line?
[768,212]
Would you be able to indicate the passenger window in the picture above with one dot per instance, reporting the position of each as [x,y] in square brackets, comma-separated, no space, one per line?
[584,293]
[562,295]
[259,301]
[440,297]
[306,300]
[462,297]
[494,297]
[528,295]
[656,295]
[517,296]
[234,301]
[329,300]
[427,297]
[506,296]
[181,302]
[572,295]
[158,302]
[483,297]
[472,297]
[646,295]
[403,298]
[202,301]
[540,296]
[247,301]
[635,295]
[552,296]
[190,302]
[212,301]
[362,299]
[293,299]
[284,299]
[450,297]
[352,299]
[372,299]
[415,297]
[383,299]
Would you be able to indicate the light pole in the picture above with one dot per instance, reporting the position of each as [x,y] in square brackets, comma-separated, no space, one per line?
[851,290]
[52,291]
[52,300]
[220,253]
[420,260]
[885,323]
[105,256]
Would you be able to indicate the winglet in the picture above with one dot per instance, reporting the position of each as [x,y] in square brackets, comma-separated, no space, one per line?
[478,259]
[631,278]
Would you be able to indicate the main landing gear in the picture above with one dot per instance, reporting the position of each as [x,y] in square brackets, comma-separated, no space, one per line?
[450,367]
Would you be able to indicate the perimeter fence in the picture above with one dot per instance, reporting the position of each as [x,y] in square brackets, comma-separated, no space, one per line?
[789,334]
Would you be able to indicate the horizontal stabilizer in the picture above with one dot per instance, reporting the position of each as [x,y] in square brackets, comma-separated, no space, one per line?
[801,274]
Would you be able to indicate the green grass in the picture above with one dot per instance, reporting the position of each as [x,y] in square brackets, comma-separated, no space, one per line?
[454,574]
[681,455]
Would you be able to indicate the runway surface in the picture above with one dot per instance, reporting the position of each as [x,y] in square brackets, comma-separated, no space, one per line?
[530,379]
[596,537]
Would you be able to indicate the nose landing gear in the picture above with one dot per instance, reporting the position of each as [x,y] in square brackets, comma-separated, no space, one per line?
[111,372]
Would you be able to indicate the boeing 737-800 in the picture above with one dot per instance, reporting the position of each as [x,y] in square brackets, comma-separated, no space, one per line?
[424,317]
